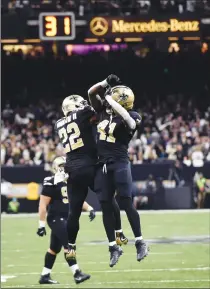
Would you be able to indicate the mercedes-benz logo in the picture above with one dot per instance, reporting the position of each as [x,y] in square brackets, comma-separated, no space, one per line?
[99,26]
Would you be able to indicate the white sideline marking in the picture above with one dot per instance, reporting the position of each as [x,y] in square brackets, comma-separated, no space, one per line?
[131,270]
[5,277]
[90,262]
[154,270]
[145,212]
[118,282]
[82,254]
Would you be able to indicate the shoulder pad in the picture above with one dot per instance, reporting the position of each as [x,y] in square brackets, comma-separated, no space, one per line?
[48,181]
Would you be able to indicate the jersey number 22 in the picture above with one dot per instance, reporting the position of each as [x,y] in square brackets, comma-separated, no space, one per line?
[70,134]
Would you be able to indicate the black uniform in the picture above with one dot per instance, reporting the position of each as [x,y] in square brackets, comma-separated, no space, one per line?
[76,134]
[112,145]
[57,212]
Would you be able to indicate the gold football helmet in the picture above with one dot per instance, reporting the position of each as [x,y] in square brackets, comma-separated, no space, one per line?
[73,102]
[123,95]
[58,164]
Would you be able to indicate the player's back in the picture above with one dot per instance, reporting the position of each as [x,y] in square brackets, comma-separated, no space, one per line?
[58,205]
[75,133]
[114,137]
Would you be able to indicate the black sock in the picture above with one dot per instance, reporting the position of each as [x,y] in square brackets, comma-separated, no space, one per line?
[116,210]
[49,260]
[70,262]
[108,220]
[133,216]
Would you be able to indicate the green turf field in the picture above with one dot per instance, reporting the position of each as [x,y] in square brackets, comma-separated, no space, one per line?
[181,264]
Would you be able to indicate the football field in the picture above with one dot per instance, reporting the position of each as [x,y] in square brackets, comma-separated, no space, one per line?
[179,253]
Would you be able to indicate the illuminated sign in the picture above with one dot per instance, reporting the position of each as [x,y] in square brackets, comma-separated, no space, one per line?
[57,26]
[125,27]
[99,26]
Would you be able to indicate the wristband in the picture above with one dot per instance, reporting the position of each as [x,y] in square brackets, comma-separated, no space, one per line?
[104,83]
[108,97]
[41,224]
[89,208]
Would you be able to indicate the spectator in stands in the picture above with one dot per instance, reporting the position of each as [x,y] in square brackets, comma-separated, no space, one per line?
[175,126]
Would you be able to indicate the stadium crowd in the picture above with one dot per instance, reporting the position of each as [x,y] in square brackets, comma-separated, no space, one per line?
[107,7]
[28,135]
[175,108]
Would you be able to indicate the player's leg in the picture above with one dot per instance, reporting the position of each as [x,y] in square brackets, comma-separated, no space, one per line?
[77,192]
[123,181]
[59,229]
[120,237]
[77,188]
[50,257]
[106,200]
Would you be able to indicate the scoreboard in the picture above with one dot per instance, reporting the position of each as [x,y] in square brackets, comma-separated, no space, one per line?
[66,27]
[57,26]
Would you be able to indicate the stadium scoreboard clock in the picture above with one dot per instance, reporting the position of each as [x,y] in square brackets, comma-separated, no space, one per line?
[57,26]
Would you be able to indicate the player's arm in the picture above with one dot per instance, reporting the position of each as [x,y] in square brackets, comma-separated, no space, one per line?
[87,208]
[96,89]
[43,203]
[122,112]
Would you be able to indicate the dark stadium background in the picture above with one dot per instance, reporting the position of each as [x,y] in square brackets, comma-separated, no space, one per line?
[169,73]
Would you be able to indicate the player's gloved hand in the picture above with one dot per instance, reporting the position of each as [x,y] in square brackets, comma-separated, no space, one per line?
[113,80]
[92,215]
[41,230]
[108,91]
[60,176]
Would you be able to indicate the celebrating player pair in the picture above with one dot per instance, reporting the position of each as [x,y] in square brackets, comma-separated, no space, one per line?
[116,124]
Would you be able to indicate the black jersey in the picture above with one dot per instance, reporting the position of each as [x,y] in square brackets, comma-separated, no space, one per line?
[75,133]
[113,137]
[59,204]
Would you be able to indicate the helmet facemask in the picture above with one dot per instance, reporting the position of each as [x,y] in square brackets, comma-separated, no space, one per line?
[73,103]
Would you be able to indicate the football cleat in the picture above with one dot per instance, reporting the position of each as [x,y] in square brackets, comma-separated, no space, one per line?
[71,254]
[142,250]
[80,277]
[121,239]
[46,279]
[115,253]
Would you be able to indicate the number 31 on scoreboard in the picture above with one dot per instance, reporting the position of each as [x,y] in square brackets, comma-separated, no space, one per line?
[57,26]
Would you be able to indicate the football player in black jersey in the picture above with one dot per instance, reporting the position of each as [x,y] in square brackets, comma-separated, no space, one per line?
[54,199]
[75,133]
[117,124]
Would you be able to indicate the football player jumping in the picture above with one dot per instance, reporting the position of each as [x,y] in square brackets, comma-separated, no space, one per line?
[54,198]
[75,131]
[117,124]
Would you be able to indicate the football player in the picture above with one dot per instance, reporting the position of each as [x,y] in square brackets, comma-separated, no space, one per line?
[75,133]
[117,124]
[54,198]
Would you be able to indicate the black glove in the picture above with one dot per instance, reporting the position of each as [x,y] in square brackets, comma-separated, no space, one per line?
[41,232]
[92,215]
[113,80]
